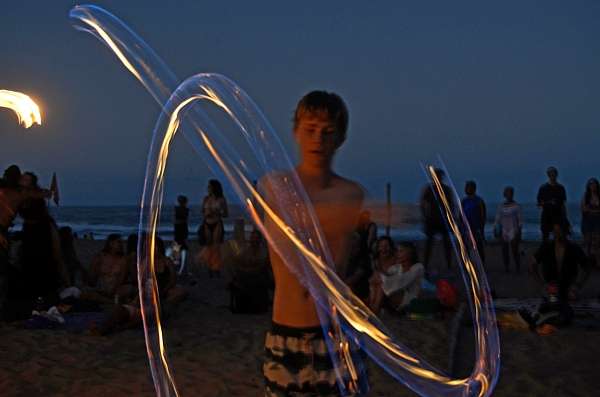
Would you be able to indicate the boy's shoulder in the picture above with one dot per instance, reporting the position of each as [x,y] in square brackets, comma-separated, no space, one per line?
[350,188]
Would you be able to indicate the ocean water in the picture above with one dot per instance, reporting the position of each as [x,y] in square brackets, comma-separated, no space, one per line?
[101,221]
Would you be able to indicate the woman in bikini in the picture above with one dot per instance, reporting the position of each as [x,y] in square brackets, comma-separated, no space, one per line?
[590,219]
[211,232]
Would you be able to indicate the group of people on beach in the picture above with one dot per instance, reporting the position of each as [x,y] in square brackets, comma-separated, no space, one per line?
[383,273]
[40,268]
[508,220]
[560,265]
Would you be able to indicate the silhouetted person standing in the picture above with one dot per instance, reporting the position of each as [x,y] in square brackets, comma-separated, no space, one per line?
[180,222]
[551,198]
[433,219]
[475,211]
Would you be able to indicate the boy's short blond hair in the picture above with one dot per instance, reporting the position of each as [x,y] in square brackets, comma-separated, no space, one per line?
[324,103]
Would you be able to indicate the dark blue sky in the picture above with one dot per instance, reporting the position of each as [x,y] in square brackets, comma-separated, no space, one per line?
[499,90]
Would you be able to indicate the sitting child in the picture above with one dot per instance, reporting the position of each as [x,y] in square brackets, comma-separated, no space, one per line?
[399,284]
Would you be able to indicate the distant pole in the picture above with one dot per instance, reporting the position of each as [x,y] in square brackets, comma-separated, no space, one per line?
[388,198]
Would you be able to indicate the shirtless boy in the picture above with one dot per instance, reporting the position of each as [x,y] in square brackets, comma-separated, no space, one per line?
[304,368]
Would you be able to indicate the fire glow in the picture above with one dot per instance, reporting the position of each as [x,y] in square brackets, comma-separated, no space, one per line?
[28,112]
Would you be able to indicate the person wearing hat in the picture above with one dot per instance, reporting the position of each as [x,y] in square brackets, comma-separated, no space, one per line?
[551,198]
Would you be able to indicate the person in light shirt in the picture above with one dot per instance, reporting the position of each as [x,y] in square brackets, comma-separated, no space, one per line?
[396,286]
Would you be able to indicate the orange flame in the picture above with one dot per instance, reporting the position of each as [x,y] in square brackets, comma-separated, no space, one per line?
[26,109]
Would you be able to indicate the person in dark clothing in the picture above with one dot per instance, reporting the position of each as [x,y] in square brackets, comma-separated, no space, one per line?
[551,198]
[251,278]
[182,213]
[367,229]
[590,219]
[42,265]
[15,197]
[557,266]
[434,221]
[359,268]
[475,211]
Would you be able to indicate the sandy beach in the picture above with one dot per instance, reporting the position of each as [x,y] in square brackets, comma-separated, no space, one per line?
[216,353]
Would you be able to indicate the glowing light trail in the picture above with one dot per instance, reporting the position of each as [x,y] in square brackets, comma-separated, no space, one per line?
[28,112]
[299,240]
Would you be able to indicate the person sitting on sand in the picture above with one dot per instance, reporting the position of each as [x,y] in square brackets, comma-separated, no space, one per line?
[384,259]
[108,273]
[398,285]
[556,266]
[250,278]
[129,315]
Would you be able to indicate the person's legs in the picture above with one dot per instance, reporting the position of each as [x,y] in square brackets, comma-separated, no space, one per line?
[505,257]
[546,228]
[96,296]
[297,363]
[118,317]
[480,246]
[515,248]
[376,298]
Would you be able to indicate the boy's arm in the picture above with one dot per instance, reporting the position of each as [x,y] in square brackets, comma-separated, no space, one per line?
[355,201]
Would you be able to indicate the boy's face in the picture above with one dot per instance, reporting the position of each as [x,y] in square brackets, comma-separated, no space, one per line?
[317,137]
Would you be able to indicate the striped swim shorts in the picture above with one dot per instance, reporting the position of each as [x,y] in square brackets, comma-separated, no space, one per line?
[297,363]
